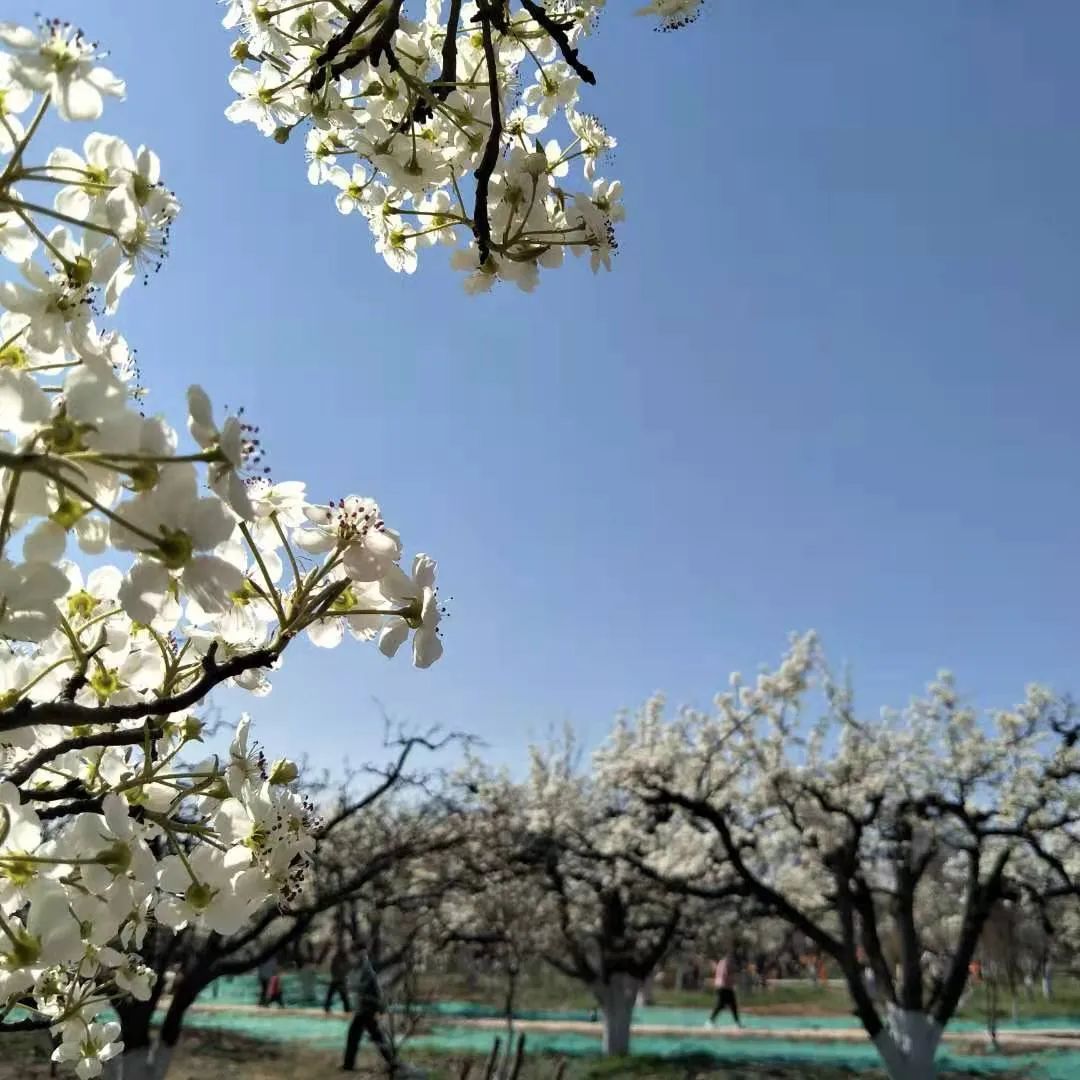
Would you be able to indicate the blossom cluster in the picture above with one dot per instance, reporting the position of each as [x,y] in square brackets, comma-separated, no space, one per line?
[460,127]
[561,854]
[138,571]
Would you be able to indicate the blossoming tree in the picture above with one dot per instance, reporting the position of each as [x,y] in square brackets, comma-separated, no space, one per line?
[137,573]
[423,128]
[597,918]
[835,825]
[366,846]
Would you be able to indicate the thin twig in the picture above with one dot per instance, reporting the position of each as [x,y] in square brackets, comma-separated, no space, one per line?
[123,737]
[446,83]
[341,40]
[558,32]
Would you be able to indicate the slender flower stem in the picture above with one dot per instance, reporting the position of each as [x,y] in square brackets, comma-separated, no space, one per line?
[9,933]
[274,595]
[32,225]
[6,200]
[287,546]
[9,506]
[110,514]
[16,157]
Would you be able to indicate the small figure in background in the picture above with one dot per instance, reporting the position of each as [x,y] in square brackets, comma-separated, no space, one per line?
[339,980]
[274,991]
[724,983]
[369,1005]
[308,983]
[266,971]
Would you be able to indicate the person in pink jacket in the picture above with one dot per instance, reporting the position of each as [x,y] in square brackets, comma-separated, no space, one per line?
[724,982]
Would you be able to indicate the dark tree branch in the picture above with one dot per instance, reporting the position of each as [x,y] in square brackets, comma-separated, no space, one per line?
[11,1027]
[911,983]
[864,1006]
[447,79]
[73,789]
[863,901]
[124,737]
[408,745]
[329,66]
[481,218]
[341,40]
[71,715]
[978,902]
[754,885]
[78,680]
[557,30]
[76,806]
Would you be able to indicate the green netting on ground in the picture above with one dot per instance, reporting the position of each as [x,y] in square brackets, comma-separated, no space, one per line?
[244,990]
[316,1030]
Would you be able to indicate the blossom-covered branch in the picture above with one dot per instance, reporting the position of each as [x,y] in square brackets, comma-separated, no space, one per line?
[403,114]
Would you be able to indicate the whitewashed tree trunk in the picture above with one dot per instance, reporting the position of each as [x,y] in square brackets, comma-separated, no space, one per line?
[616,999]
[143,1063]
[645,994]
[908,1045]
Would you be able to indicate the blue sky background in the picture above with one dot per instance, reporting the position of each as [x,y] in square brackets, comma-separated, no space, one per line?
[831,382]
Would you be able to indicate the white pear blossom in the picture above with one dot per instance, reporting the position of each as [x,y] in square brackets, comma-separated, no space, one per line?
[59,60]
[89,1046]
[419,592]
[230,444]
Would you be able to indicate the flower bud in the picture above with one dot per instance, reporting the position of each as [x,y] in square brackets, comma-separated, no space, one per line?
[535,164]
[281,134]
[283,772]
[143,476]
[116,858]
[68,512]
[191,729]
[80,271]
[24,948]
[218,790]
[199,895]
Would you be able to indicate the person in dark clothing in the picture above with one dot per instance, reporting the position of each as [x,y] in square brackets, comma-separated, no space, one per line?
[339,978]
[366,1018]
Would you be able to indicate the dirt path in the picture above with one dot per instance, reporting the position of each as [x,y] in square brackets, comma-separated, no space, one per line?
[1043,1039]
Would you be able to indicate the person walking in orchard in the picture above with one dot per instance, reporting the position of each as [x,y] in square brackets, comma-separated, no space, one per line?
[366,1018]
[724,984]
[339,980]
[267,971]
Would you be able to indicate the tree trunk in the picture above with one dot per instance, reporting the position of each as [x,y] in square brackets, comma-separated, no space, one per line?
[616,1001]
[140,1063]
[144,1057]
[991,992]
[508,1011]
[645,994]
[908,1044]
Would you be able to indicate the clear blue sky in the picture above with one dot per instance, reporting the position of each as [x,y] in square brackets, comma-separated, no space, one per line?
[832,381]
